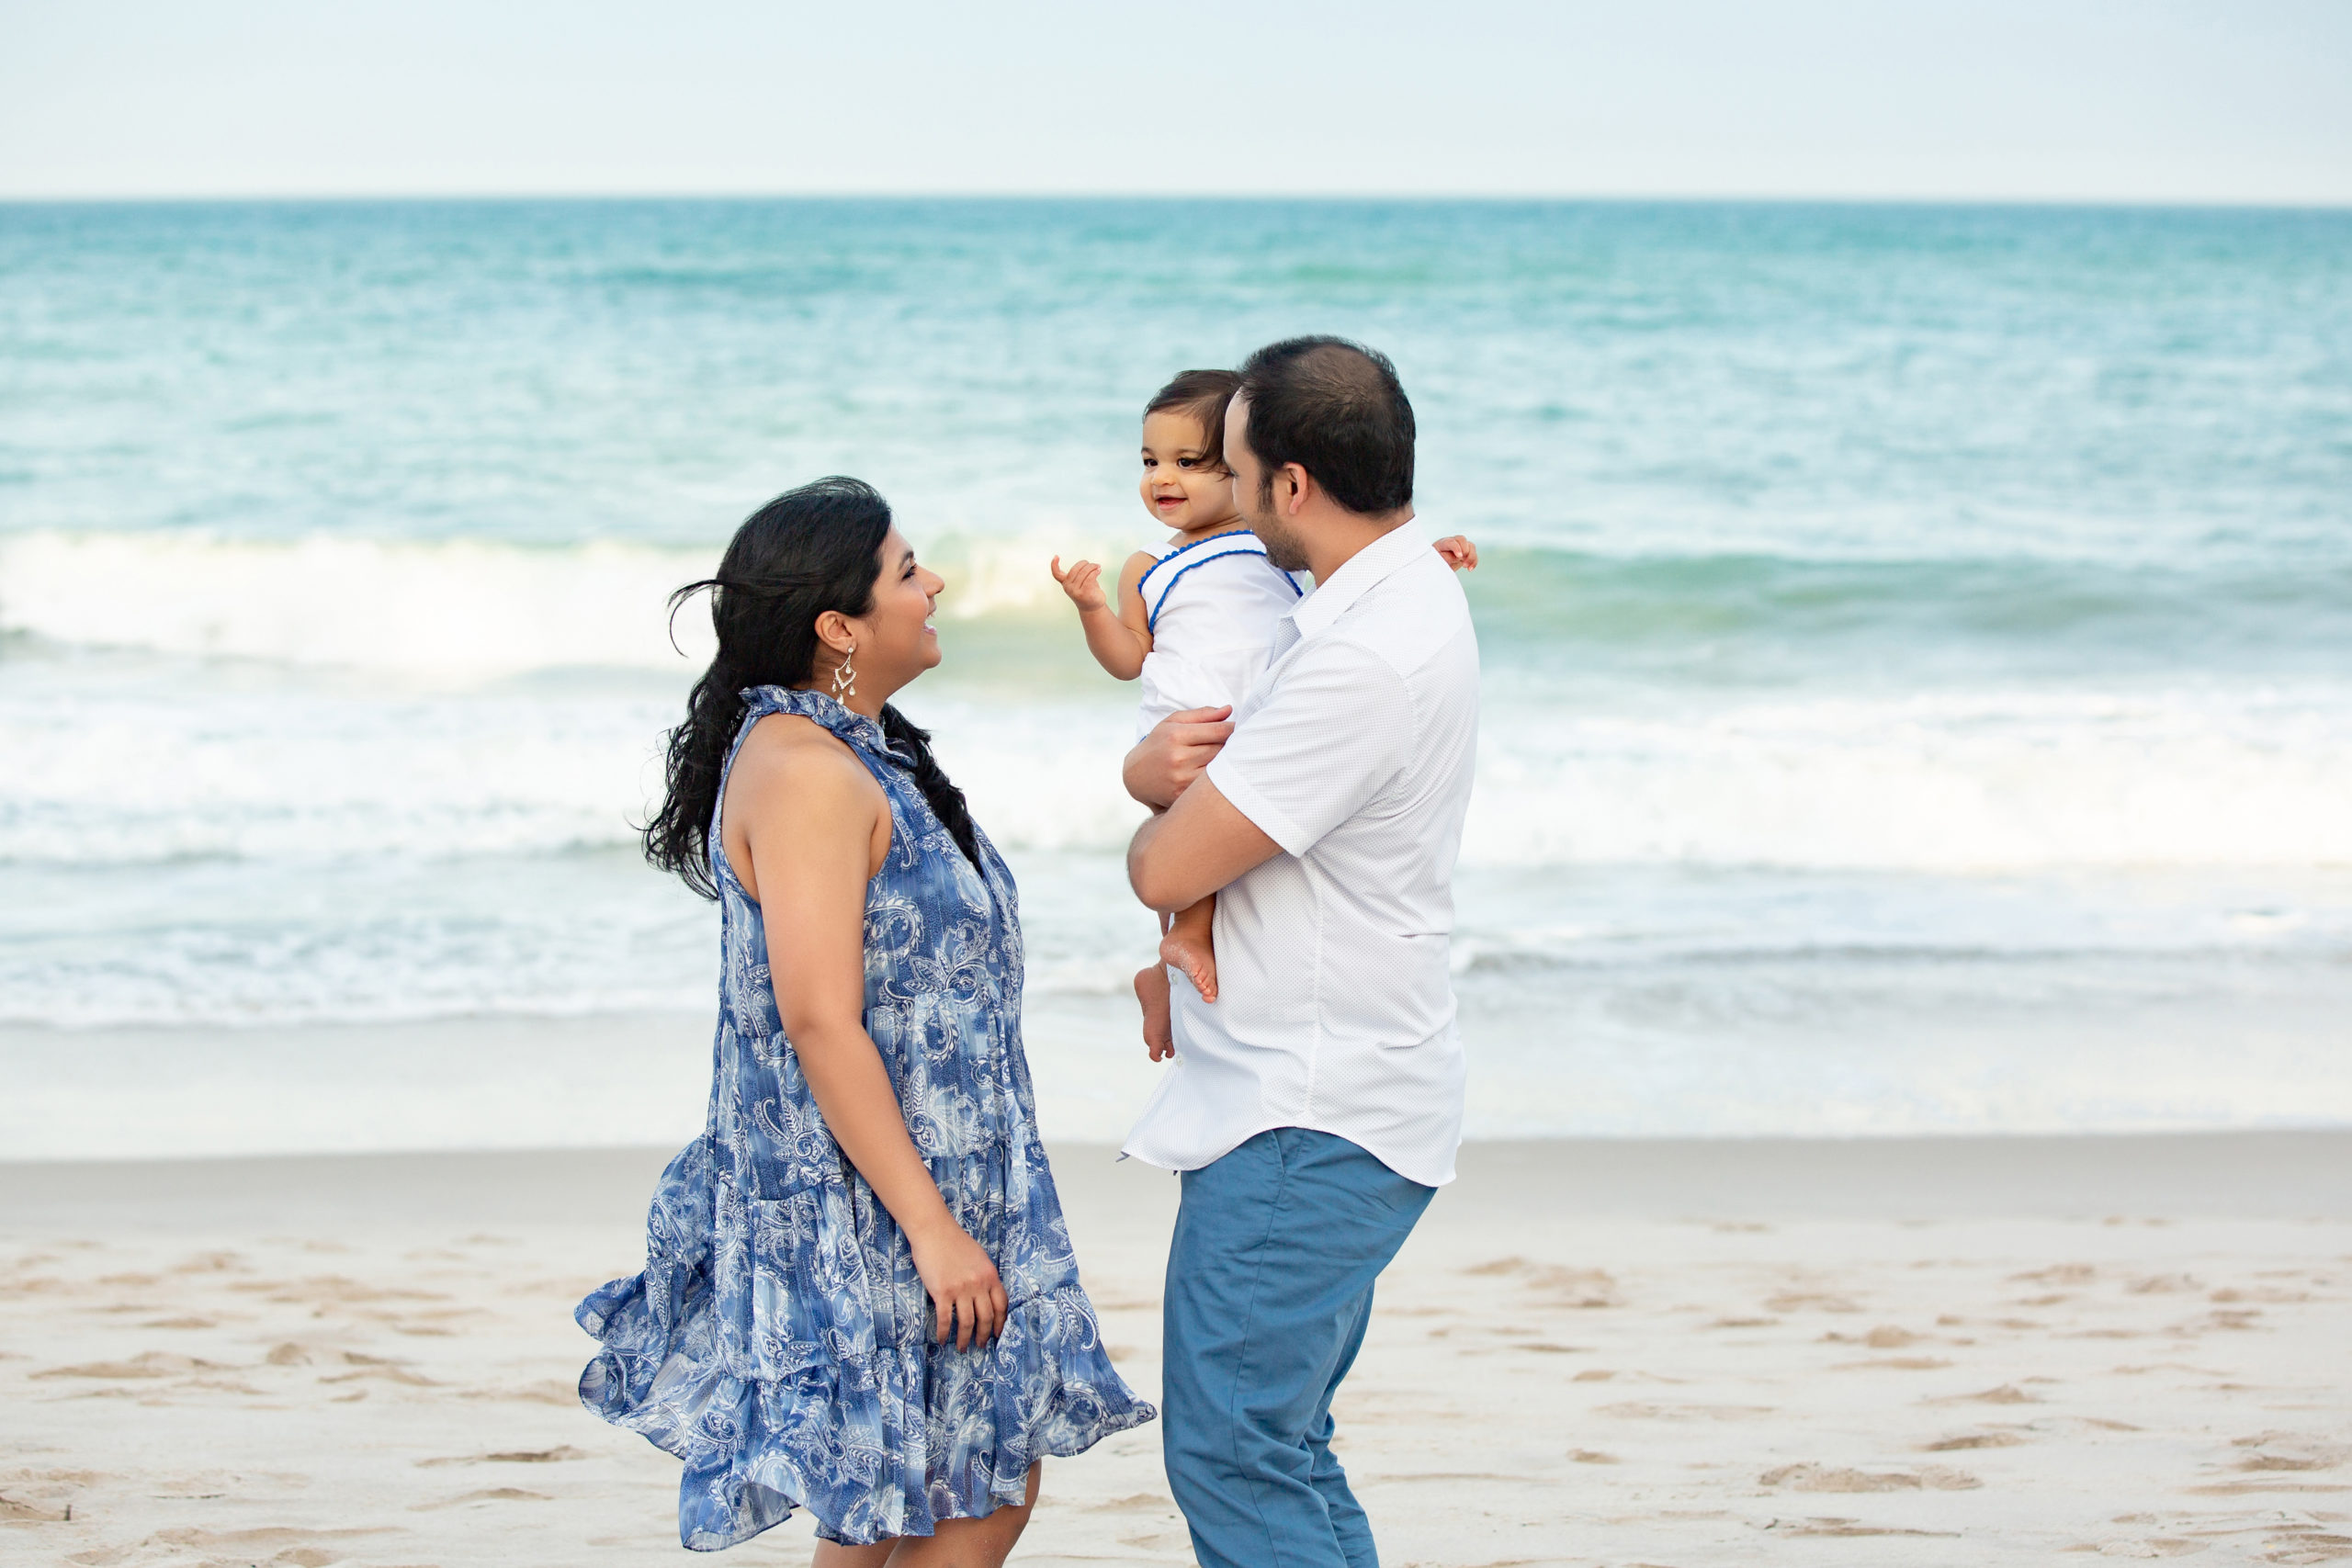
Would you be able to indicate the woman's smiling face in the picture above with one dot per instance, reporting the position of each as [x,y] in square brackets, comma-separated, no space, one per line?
[1184,483]
[896,641]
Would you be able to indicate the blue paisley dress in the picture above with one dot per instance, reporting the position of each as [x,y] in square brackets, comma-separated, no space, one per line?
[779,1341]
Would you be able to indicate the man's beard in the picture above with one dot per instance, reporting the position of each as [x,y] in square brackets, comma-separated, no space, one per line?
[1285,549]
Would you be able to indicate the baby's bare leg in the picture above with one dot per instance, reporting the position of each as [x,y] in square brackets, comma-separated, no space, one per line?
[1191,946]
[1158,1024]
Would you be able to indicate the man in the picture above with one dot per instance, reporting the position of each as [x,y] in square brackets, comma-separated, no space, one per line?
[1315,1108]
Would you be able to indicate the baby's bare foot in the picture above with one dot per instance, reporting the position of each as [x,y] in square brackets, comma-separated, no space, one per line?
[1158,1028]
[1197,960]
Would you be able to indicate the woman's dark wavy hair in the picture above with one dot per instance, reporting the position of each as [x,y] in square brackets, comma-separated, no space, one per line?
[809,550]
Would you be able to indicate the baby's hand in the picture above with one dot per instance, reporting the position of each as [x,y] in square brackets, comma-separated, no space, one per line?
[1082,582]
[1459,552]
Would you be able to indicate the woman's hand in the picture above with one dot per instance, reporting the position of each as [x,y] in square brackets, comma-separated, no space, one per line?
[965,1294]
[1083,583]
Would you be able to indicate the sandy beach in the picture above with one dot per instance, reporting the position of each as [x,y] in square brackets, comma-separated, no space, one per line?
[1894,1351]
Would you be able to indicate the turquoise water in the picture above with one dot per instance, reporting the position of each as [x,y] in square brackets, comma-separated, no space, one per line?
[1918,640]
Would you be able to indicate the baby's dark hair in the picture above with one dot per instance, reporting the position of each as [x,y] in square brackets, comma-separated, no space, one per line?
[1202,395]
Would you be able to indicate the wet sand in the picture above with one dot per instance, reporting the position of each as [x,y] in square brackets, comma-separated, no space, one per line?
[1962,1352]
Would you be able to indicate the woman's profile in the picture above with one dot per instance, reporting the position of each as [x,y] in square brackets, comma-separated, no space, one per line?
[859,1294]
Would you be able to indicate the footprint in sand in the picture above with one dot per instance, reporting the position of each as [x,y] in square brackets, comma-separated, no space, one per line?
[148,1364]
[1644,1411]
[2260,1293]
[2163,1285]
[1815,1301]
[378,1367]
[1973,1440]
[2007,1394]
[557,1455]
[2293,1451]
[492,1495]
[1588,1288]
[289,1543]
[210,1263]
[2058,1274]
[1885,1337]
[2308,1544]
[1838,1528]
[562,1394]
[15,1509]
[1821,1478]
[2146,1546]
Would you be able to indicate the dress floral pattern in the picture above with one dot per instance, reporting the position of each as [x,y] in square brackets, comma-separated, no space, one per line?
[779,1341]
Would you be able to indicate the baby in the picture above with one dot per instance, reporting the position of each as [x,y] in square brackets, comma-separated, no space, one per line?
[1194,619]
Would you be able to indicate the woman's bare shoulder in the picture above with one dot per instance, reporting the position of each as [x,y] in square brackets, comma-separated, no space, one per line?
[787,754]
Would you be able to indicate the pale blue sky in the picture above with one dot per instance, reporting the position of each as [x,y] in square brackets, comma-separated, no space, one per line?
[2156,100]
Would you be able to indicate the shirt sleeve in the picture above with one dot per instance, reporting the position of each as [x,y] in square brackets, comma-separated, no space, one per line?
[1335,728]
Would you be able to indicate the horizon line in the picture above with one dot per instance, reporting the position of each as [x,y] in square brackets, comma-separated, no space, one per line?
[291,197]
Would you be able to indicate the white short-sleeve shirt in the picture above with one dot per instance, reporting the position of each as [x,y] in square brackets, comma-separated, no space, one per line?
[1354,752]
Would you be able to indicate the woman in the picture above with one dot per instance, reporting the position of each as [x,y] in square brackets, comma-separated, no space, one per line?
[872,1151]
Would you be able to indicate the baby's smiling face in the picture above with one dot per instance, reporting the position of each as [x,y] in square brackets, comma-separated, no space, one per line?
[1184,485]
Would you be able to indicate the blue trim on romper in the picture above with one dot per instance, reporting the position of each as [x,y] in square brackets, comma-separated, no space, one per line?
[1151,616]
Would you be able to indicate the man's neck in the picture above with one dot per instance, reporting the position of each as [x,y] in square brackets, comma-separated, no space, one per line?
[1345,535]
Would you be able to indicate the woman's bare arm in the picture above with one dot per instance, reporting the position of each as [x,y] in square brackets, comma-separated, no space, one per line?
[810,816]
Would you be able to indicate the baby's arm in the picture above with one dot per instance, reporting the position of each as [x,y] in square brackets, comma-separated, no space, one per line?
[1459,552]
[1117,637]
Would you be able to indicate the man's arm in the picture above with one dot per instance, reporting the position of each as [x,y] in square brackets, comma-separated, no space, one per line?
[1195,848]
[1331,732]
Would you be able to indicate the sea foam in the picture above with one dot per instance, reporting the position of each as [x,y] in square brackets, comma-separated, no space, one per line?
[423,607]
[434,609]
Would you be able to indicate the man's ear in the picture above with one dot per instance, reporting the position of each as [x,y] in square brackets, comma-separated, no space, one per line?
[1299,480]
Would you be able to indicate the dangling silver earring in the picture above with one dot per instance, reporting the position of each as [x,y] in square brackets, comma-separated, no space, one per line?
[845,678]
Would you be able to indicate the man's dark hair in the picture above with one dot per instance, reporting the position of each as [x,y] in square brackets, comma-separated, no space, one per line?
[1337,410]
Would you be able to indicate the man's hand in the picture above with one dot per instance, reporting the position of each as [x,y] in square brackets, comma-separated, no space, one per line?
[1164,763]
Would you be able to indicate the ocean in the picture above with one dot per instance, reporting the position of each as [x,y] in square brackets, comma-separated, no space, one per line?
[1918,640]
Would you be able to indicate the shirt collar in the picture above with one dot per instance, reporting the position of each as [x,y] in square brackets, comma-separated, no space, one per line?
[1366,568]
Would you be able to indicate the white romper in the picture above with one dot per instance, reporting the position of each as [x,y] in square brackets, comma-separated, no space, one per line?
[1212,605]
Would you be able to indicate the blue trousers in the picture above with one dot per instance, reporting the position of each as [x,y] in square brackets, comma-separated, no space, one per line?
[1269,1290]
